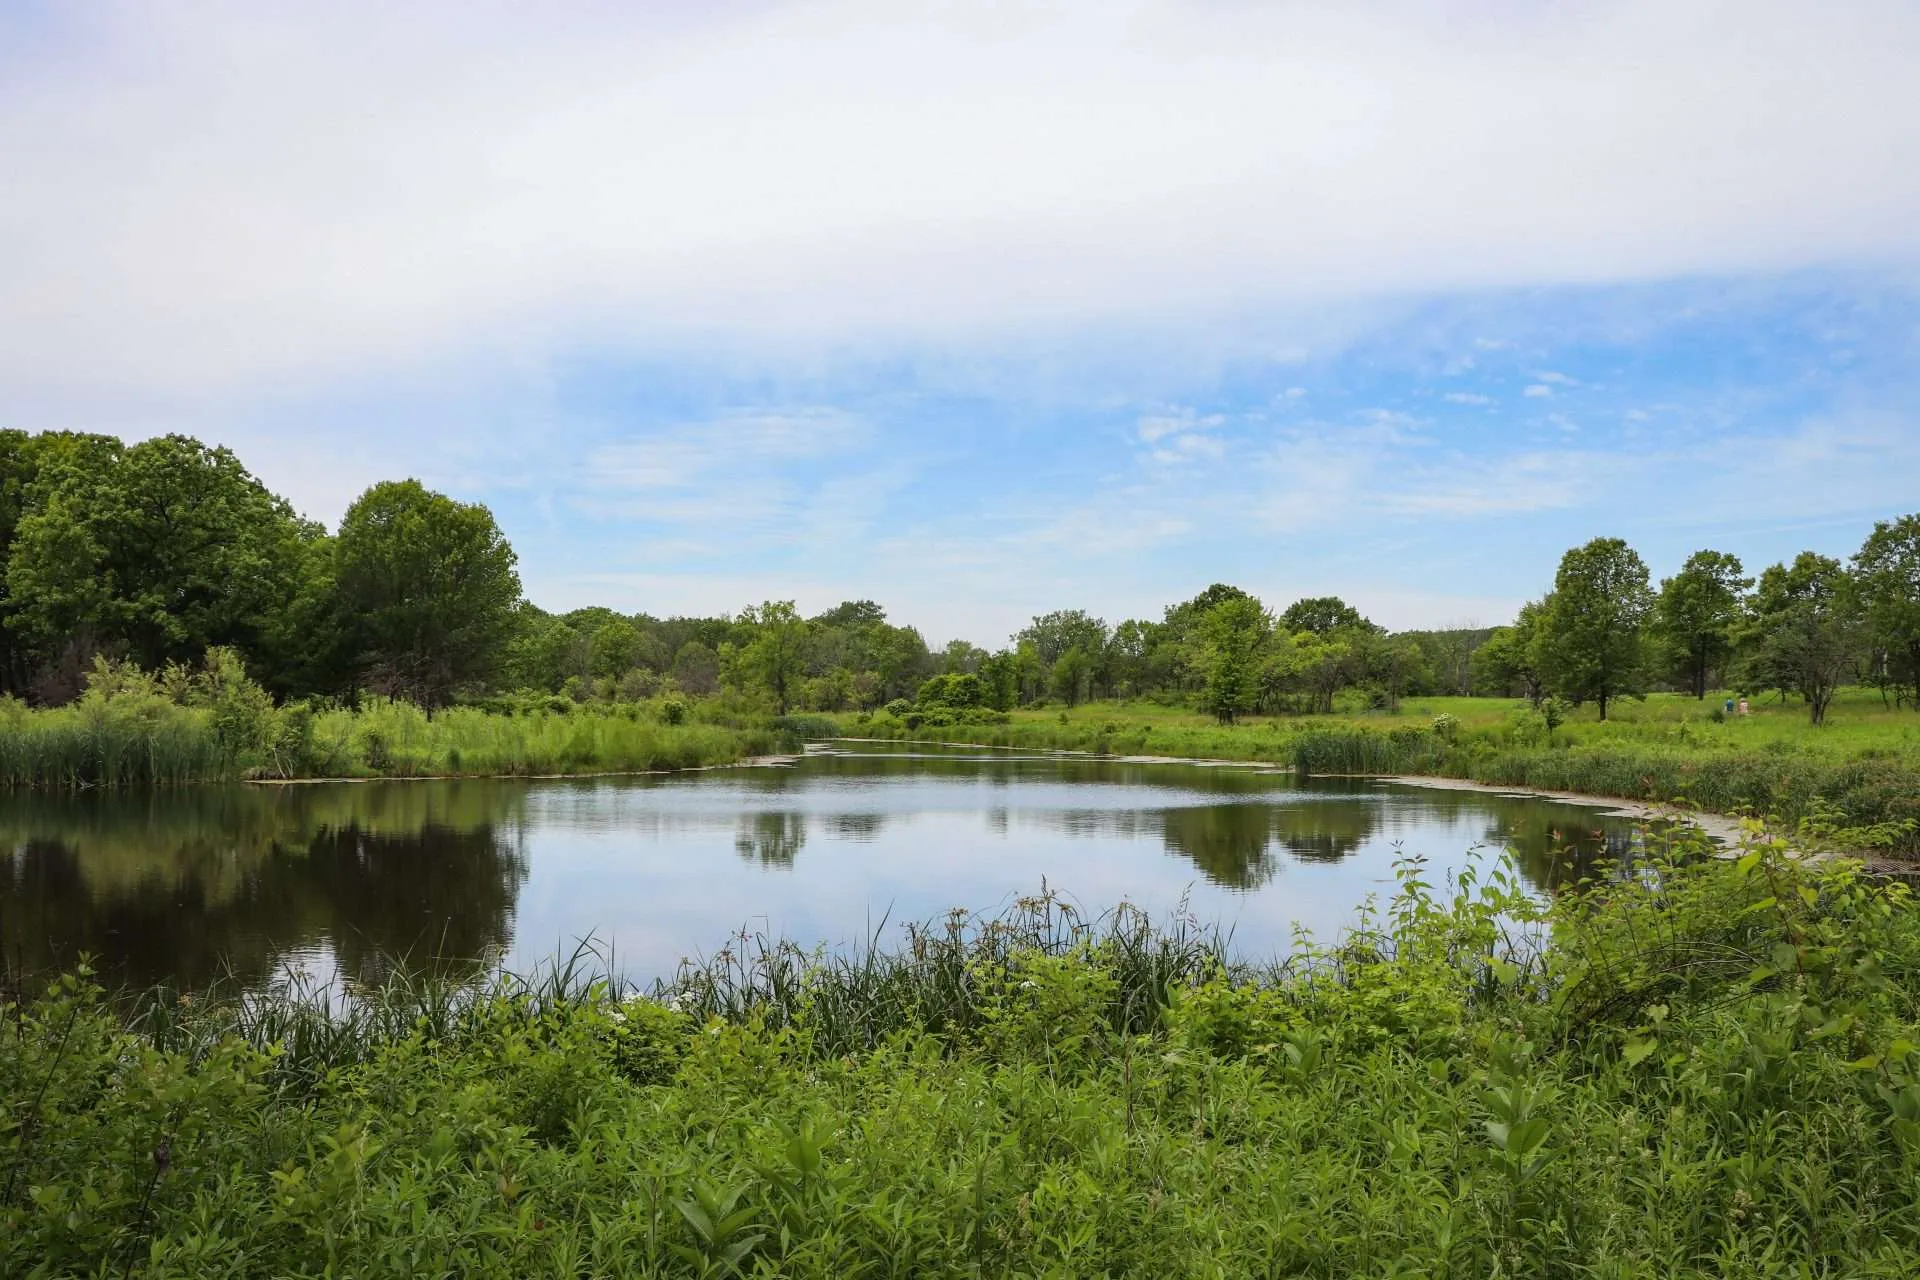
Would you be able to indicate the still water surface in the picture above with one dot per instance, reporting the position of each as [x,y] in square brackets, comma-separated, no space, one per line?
[187,885]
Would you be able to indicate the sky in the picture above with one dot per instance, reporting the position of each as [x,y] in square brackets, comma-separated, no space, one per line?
[986,309]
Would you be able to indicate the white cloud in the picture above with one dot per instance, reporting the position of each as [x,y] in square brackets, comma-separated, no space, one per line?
[1467,397]
[1182,436]
[1538,391]
[683,456]
[1556,379]
[220,196]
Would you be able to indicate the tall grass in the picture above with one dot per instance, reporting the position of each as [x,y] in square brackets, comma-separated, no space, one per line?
[125,739]
[1707,1069]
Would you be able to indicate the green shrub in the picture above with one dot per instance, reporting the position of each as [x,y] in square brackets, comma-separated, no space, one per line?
[1696,1067]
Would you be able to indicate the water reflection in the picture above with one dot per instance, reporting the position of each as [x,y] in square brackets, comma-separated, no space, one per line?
[190,887]
[773,839]
[192,884]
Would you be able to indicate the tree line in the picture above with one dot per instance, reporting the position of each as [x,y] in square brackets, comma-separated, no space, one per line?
[158,551]
[1803,628]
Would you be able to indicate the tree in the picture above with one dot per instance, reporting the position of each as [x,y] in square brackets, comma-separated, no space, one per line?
[1230,635]
[1591,640]
[1320,664]
[430,586]
[1053,634]
[160,550]
[1001,676]
[1071,676]
[852,615]
[1506,660]
[1804,629]
[1697,611]
[961,657]
[1887,570]
[696,669]
[614,648]
[775,654]
[1322,615]
[1128,650]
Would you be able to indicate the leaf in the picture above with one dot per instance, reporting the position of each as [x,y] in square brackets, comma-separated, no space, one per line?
[1527,1137]
[1637,1051]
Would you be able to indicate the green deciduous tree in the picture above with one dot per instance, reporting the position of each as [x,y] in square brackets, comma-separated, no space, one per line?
[1071,678]
[1506,662]
[159,550]
[774,655]
[1051,635]
[1230,637]
[1804,629]
[1591,640]
[430,587]
[1697,613]
[1887,569]
[1321,615]
[614,648]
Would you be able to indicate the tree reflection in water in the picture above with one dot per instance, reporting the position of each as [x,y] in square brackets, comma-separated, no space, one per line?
[189,886]
[219,882]
[771,839]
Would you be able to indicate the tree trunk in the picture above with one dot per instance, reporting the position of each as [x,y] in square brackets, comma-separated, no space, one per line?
[1603,704]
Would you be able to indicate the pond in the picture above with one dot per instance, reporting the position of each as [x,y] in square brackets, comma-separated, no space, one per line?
[841,846]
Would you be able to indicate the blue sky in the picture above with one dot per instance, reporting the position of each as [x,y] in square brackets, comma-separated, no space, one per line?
[982,313]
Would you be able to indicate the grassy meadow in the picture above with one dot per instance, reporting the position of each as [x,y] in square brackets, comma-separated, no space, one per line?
[1861,769]
[1704,1069]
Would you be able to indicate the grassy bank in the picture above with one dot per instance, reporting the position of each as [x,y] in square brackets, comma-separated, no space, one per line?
[119,737]
[1709,1071]
[1863,767]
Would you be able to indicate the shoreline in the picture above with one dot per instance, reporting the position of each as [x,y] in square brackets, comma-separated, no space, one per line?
[1722,828]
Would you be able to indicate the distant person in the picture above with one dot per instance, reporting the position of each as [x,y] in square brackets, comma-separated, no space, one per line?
[1729,706]
[1744,708]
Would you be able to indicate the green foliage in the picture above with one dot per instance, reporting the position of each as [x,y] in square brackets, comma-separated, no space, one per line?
[1230,635]
[1321,615]
[775,655]
[1704,1067]
[130,728]
[1698,612]
[1590,641]
[155,550]
[430,586]
[1887,569]
[956,691]
[1507,663]
[1804,630]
